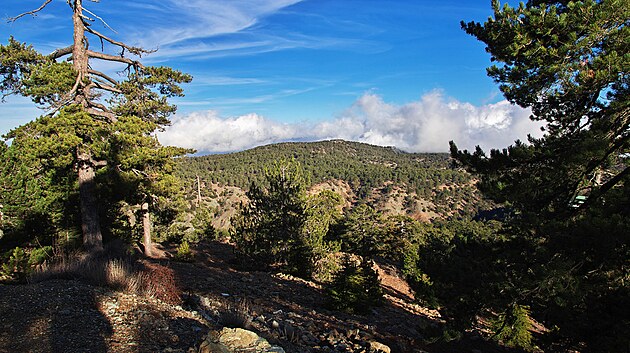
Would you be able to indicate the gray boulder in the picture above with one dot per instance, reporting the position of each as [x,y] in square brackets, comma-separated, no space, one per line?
[236,340]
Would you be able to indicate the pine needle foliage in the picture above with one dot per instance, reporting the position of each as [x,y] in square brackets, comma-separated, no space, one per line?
[513,327]
[356,288]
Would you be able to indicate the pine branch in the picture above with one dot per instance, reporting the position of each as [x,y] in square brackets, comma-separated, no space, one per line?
[66,97]
[32,13]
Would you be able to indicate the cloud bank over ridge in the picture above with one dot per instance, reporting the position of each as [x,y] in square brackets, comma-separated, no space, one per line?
[425,125]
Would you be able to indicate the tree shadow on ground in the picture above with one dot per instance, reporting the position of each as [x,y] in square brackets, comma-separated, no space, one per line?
[52,316]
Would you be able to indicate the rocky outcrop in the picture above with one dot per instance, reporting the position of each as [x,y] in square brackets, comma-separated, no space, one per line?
[236,340]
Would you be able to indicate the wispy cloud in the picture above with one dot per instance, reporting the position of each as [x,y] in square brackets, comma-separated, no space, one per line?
[208,80]
[425,125]
[226,101]
[205,29]
[203,18]
[186,24]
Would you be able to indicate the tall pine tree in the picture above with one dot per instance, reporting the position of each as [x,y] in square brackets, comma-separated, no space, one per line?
[93,120]
[570,190]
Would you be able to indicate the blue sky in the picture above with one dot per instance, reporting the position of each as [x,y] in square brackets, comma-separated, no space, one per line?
[388,72]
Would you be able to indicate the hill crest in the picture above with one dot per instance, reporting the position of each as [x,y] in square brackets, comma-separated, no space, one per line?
[425,186]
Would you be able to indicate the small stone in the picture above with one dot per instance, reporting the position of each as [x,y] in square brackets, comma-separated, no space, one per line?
[377,346]
[275,324]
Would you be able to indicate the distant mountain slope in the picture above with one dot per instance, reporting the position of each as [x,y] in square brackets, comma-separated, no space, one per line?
[423,185]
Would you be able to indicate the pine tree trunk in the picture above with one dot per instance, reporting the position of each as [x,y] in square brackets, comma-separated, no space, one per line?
[80,59]
[198,192]
[90,225]
[146,228]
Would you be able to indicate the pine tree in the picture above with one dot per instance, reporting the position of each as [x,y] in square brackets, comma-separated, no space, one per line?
[569,190]
[268,229]
[80,126]
[356,288]
[569,63]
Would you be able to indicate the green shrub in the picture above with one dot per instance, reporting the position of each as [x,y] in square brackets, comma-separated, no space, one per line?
[513,327]
[355,288]
[222,234]
[327,267]
[39,255]
[281,226]
[16,267]
[184,253]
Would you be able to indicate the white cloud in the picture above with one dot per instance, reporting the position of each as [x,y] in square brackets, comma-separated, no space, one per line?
[207,132]
[425,125]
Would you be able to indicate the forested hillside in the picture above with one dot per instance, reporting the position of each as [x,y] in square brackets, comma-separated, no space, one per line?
[423,185]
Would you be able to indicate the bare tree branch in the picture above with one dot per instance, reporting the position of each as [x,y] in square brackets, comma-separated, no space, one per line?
[102,75]
[100,18]
[133,50]
[107,87]
[108,115]
[597,193]
[84,17]
[60,52]
[120,59]
[32,13]
[101,163]
[100,107]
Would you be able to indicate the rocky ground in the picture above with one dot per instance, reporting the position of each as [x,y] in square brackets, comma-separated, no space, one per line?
[70,316]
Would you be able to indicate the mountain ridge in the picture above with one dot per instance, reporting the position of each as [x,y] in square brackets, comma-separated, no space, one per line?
[425,186]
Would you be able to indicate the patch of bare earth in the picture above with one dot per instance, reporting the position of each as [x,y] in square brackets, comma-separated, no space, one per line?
[70,316]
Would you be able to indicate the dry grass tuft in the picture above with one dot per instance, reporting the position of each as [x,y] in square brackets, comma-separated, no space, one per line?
[158,281]
[121,274]
[236,315]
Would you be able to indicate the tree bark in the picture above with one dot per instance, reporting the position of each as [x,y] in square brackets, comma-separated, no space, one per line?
[80,58]
[90,225]
[146,230]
